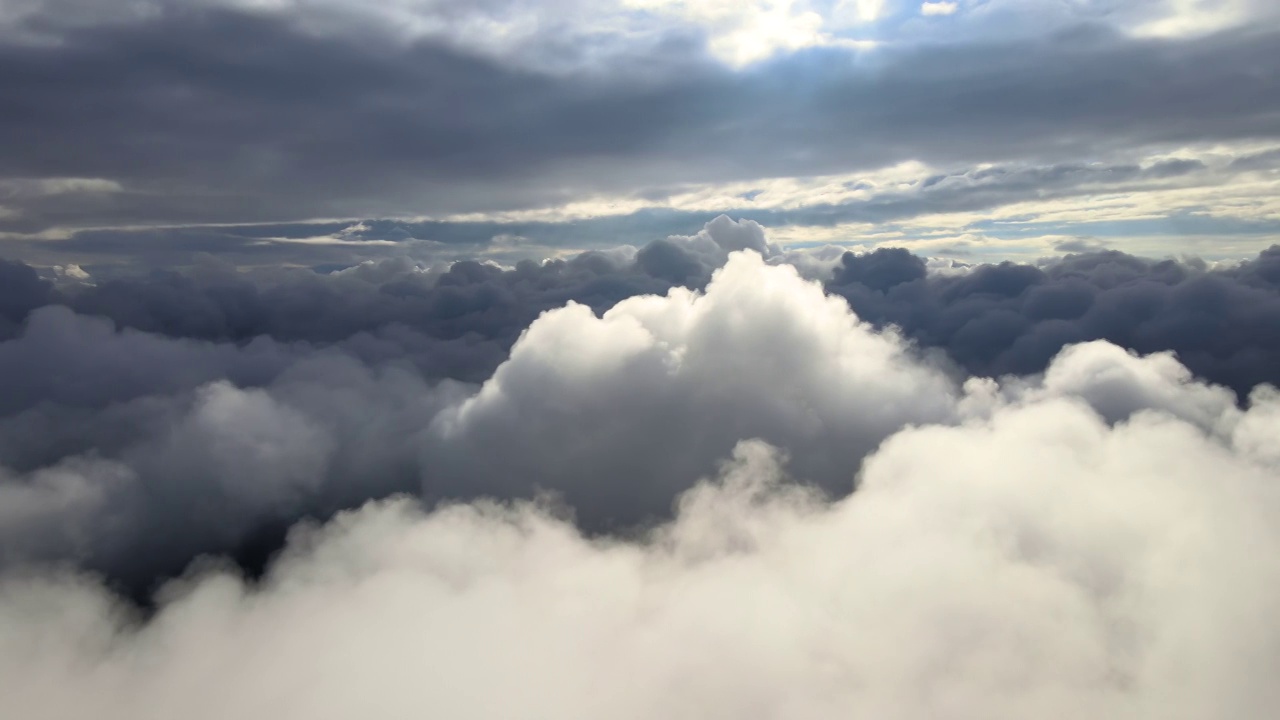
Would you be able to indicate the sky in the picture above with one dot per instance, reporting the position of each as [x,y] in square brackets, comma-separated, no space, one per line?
[639,359]
[146,132]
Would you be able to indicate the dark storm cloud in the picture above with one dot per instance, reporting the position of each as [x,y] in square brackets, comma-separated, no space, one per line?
[1224,324]
[998,319]
[21,291]
[213,115]
[458,323]
[146,452]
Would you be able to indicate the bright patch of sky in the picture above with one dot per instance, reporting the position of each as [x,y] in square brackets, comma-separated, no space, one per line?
[741,32]
[939,8]
[736,32]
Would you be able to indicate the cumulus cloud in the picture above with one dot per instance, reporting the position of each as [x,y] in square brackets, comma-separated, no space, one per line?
[132,452]
[1032,561]
[880,531]
[193,446]
[606,410]
[1011,318]
[297,422]
[167,449]
[688,259]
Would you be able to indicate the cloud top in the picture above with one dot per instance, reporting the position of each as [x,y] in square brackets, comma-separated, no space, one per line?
[1092,569]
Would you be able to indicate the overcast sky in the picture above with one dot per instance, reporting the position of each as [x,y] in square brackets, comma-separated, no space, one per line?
[299,131]
[637,359]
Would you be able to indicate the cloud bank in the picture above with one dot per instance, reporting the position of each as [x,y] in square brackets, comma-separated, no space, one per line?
[208,411]
[735,496]
[459,320]
[159,436]
[1118,570]
[1001,319]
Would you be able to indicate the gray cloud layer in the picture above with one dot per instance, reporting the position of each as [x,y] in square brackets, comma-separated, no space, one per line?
[231,404]
[1011,319]
[202,115]
[461,322]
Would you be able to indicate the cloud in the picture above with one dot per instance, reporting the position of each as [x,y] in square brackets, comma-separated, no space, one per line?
[192,446]
[1079,245]
[605,410]
[160,450]
[1012,319]
[460,319]
[1212,200]
[132,452]
[938,8]
[21,291]
[219,136]
[452,319]
[307,408]
[1035,561]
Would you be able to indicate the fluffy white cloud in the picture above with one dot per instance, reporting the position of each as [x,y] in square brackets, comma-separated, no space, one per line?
[1117,384]
[620,412]
[1036,562]
[1099,540]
